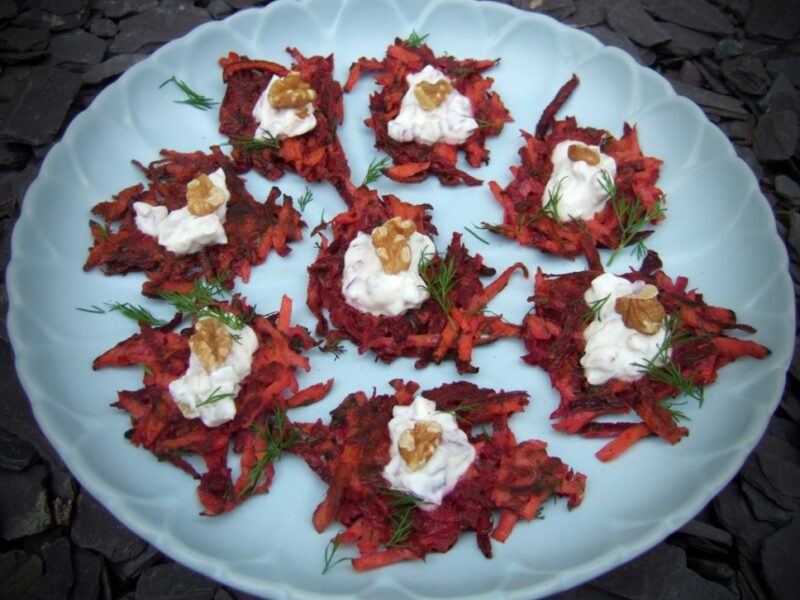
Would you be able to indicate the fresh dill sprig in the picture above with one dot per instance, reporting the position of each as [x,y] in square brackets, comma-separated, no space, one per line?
[192,97]
[374,170]
[330,552]
[201,302]
[627,213]
[214,397]
[332,346]
[415,40]
[251,144]
[475,234]
[401,518]
[104,229]
[462,407]
[663,369]
[554,196]
[305,199]
[596,309]
[135,312]
[278,439]
[439,280]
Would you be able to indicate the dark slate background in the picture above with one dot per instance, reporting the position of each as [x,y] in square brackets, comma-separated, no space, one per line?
[738,59]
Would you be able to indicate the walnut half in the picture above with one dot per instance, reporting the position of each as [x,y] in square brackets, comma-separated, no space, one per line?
[430,95]
[211,343]
[202,196]
[577,152]
[391,244]
[417,445]
[642,311]
[290,92]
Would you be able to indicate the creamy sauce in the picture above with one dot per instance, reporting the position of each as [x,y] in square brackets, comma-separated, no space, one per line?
[611,347]
[180,231]
[577,184]
[368,288]
[195,387]
[451,122]
[281,123]
[437,478]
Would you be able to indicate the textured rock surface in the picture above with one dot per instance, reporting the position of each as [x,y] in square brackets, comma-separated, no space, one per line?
[739,60]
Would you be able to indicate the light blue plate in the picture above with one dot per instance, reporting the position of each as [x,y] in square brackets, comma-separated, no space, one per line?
[719,232]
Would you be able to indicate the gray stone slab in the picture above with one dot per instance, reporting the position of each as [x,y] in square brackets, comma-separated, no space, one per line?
[644,577]
[713,570]
[694,14]
[788,65]
[775,136]
[781,96]
[19,570]
[155,26]
[114,9]
[741,131]
[728,48]
[24,509]
[13,156]
[780,558]
[87,570]
[612,38]
[735,516]
[688,585]
[76,50]
[94,528]
[787,188]
[630,19]
[747,74]
[709,532]
[15,454]
[116,65]
[57,579]
[724,106]
[23,39]
[103,27]
[219,9]
[774,18]
[37,112]
[169,581]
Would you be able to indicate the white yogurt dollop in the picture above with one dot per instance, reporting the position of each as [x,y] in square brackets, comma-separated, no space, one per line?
[451,459]
[451,122]
[577,183]
[180,231]
[611,347]
[194,388]
[281,123]
[368,288]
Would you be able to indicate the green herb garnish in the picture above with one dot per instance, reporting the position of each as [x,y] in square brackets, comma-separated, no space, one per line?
[475,234]
[278,439]
[663,369]
[439,278]
[214,397]
[595,309]
[415,40]
[627,213]
[330,552]
[305,199]
[401,519]
[251,144]
[138,313]
[554,196]
[374,170]
[201,302]
[104,230]
[192,97]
